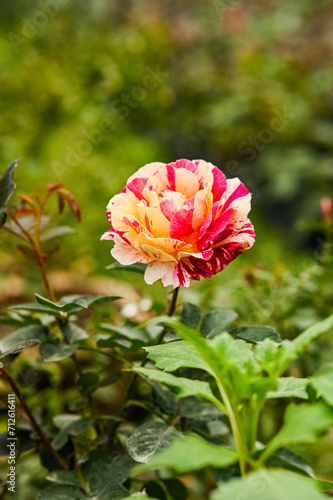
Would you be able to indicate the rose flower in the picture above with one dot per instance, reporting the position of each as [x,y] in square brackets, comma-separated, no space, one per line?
[184,219]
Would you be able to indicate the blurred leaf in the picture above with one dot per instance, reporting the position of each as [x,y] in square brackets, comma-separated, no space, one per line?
[269,485]
[286,459]
[164,399]
[63,477]
[141,496]
[62,492]
[155,490]
[28,252]
[22,338]
[74,427]
[87,381]
[73,332]
[106,476]
[322,381]
[149,438]
[256,333]
[290,387]
[56,351]
[216,322]
[182,387]
[133,333]
[191,315]
[315,420]
[55,232]
[174,355]
[189,454]
[71,201]
[176,489]
[7,187]
[134,268]
[195,410]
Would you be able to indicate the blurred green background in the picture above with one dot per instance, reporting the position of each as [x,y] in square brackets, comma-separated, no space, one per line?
[91,91]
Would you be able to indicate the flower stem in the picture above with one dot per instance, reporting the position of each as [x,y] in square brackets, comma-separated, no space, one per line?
[173,301]
[34,424]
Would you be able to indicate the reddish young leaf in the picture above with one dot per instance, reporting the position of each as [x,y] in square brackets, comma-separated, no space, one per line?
[21,212]
[72,203]
[55,186]
[27,199]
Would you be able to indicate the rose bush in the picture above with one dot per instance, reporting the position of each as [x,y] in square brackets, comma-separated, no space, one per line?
[184,219]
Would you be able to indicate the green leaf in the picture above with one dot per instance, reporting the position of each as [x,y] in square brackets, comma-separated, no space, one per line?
[33,307]
[62,492]
[269,485]
[149,438]
[289,387]
[22,338]
[198,412]
[174,355]
[290,350]
[303,423]
[106,476]
[55,232]
[56,350]
[256,334]
[133,268]
[164,399]
[286,459]
[176,489]
[141,496]
[191,315]
[63,477]
[216,322]
[182,387]
[322,382]
[70,425]
[190,454]
[73,332]
[7,187]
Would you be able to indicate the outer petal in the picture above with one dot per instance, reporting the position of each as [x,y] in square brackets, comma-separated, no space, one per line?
[161,271]
[126,254]
[146,171]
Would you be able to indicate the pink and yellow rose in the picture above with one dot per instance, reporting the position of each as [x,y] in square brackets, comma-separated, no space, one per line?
[184,219]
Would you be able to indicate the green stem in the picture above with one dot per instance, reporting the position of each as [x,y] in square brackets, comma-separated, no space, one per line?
[234,427]
[173,301]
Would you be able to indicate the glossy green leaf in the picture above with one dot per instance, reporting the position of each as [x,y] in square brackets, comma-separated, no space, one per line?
[303,423]
[190,454]
[286,459]
[174,355]
[56,350]
[322,381]
[63,477]
[289,387]
[256,334]
[62,492]
[106,476]
[149,438]
[7,187]
[22,338]
[216,322]
[182,387]
[269,485]
[191,315]
[70,425]
[197,411]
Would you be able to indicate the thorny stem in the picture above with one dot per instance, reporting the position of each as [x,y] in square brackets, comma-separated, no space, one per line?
[34,424]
